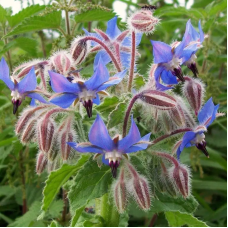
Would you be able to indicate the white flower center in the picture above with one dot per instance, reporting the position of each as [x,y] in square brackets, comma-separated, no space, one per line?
[16,95]
[86,95]
[191,60]
[199,139]
[174,63]
[113,156]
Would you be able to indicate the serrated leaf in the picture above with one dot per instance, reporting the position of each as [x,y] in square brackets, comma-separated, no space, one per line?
[177,219]
[94,15]
[91,182]
[49,21]
[26,44]
[107,106]
[57,178]
[76,216]
[117,115]
[138,82]
[26,12]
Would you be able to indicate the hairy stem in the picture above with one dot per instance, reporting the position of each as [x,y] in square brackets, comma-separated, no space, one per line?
[42,39]
[65,201]
[107,49]
[132,66]
[127,114]
[67,21]
[153,220]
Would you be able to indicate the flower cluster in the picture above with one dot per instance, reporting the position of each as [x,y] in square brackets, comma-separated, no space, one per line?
[62,100]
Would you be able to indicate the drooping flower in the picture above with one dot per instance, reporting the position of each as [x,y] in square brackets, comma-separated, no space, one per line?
[86,92]
[20,89]
[193,41]
[169,62]
[118,41]
[112,149]
[196,138]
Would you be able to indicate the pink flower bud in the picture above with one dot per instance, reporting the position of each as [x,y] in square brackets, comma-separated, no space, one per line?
[41,162]
[120,193]
[158,99]
[61,62]
[143,21]
[79,49]
[139,188]
[45,133]
[29,132]
[180,176]
[193,90]
[63,139]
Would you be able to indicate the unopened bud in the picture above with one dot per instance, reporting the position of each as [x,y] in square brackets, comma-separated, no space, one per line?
[120,193]
[61,62]
[139,188]
[143,21]
[193,90]
[79,49]
[29,132]
[41,162]
[158,99]
[52,165]
[180,176]
[45,134]
[65,148]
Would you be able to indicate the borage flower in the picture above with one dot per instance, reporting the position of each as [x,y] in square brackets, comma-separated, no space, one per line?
[86,92]
[112,149]
[193,41]
[196,138]
[118,41]
[20,89]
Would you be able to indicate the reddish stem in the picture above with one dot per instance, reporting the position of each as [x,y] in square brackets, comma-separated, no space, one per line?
[107,49]
[132,66]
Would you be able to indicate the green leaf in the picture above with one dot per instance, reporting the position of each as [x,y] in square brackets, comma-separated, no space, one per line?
[26,44]
[177,219]
[218,8]
[3,14]
[117,115]
[57,178]
[138,82]
[49,21]
[26,12]
[91,182]
[7,219]
[209,185]
[94,15]
[76,216]
[53,224]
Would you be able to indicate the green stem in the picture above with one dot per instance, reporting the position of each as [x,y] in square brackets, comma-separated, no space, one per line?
[67,22]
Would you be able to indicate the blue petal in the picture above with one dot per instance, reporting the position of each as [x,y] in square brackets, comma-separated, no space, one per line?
[157,75]
[127,40]
[132,137]
[64,100]
[162,52]
[93,43]
[99,135]
[4,74]
[178,153]
[201,32]
[117,78]
[105,161]
[125,59]
[213,115]
[206,111]
[60,84]
[104,56]
[188,52]
[140,146]
[188,137]
[37,97]
[33,102]
[100,76]
[112,29]
[86,148]
[168,78]
[97,100]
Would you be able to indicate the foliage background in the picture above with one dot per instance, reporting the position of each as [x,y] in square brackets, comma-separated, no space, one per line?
[18,179]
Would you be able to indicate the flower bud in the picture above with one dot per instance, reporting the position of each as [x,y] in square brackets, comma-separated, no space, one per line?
[180,176]
[29,132]
[61,62]
[52,165]
[139,188]
[158,99]
[120,193]
[45,133]
[65,148]
[193,90]
[41,162]
[143,21]
[79,49]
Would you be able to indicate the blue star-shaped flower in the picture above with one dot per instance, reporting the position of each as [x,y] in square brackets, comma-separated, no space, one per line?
[86,92]
[193,41]
[117,40]
[112,149]
[196,138]
[25,88]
